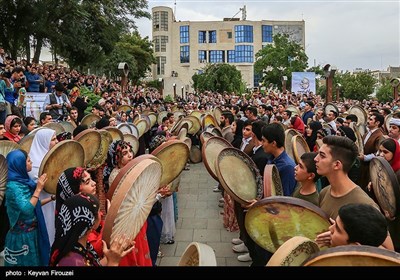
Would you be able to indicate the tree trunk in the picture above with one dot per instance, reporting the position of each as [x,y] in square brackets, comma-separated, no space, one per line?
[28,49]
[38,49]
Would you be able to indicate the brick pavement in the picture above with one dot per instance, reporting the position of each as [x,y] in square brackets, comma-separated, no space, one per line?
[200,220]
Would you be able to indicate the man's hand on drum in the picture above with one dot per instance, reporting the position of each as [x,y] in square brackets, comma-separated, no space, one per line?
[324,239]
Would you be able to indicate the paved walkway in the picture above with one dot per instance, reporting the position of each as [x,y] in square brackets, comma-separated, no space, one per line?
[200,220]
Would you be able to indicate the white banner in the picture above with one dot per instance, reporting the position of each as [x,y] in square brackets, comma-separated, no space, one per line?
[34,104]
[303,82]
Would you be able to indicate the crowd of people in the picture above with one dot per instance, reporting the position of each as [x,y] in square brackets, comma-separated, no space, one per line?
[66,228]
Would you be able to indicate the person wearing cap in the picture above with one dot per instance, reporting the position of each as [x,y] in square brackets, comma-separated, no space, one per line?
[57,103]
[394,129]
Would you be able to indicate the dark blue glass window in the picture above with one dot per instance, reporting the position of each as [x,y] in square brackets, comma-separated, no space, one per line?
[231,56]
[202,37]
[244,54]
[184,34]
[185,52]
[212,36]
[202,56]
[216,56]
[243,34]
[267,33]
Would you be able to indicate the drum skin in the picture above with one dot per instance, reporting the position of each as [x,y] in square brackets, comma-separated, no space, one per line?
[385,186]
[198,254]
[272,181]
[354,255]
[210,152]
[133,202]
[195,154]
[238,175]
[173,155]
[294,252]
[273,220]
[91,143]
[65,154]
[90,120]
[299,147]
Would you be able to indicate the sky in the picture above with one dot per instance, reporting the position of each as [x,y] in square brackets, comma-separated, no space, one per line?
[347,34]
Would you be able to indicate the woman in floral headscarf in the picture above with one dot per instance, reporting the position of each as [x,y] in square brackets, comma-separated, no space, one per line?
[12,126]
[77,216]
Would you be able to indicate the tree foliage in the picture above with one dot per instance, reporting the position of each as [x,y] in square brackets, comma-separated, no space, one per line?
[80,31]
[385,91]
[280,59]
[357,86]
[135,51]
[219,77]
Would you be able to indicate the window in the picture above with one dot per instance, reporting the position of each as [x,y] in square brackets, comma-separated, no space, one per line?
[202,37]
[156,21]
[243,34]
[160,43]
[202,56]
[164,21]
[231,56]
[267,33]
[212,36]
[216,56]
[161,60]
[244,54]
[229,35]
[184,34]
[185,52]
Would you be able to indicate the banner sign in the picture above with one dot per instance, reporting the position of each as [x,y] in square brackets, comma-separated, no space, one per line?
[303,82]
[34,104]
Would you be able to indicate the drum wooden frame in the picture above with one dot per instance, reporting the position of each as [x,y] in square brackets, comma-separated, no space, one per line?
[289,133]
[90,120]
[195,155]
[58,128]
[272,221]
[125,128]
[299,147]
[26,142]
[354,255]
[133,202]
[91,142]
[210,151]
[116,134]
[198,254]
[8,146]
[294,252]
[3,177]
[65,154]
[238,175]
[385,185]
[272,181]
[331,106]
[360,112]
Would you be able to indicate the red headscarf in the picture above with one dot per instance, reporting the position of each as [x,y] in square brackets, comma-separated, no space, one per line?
[396,157]
[298,125]
[7,126]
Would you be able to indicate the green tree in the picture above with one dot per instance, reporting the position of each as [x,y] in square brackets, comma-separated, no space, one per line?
[135,51]
[356,86]
[280,59]
[219,77]
[385,91]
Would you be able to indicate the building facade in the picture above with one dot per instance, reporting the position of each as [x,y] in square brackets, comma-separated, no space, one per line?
[183,48]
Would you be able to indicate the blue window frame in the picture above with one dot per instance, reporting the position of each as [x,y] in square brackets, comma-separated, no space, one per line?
[202,56]
[216,56]
[202,37]
[231,56]
[212,36]
[244,54]
[243,34]
[184,34]
[267,33]
[185,54]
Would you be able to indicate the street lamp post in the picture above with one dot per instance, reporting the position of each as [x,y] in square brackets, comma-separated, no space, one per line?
[174,86]
[329,74]
[338,89]
[284,79]
[161,87]
[182,91]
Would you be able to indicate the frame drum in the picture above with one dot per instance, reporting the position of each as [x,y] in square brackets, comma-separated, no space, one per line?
[90,120]
[173,155]
[294,252]
[65,154]
[238,175]
[272,181]
[133,202]
[55,126]
[116,134]
[299,147]
[195,154]
[272,221]
[385,186]
[210,152]
[3,177]
[91,143]
[198,254]
[354,255]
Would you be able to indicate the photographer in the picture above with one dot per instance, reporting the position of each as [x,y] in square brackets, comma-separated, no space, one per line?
[57,103]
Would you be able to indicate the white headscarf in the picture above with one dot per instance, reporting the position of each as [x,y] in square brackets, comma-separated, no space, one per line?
[40,147]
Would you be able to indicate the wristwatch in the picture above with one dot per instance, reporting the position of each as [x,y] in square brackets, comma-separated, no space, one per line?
[53,197]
